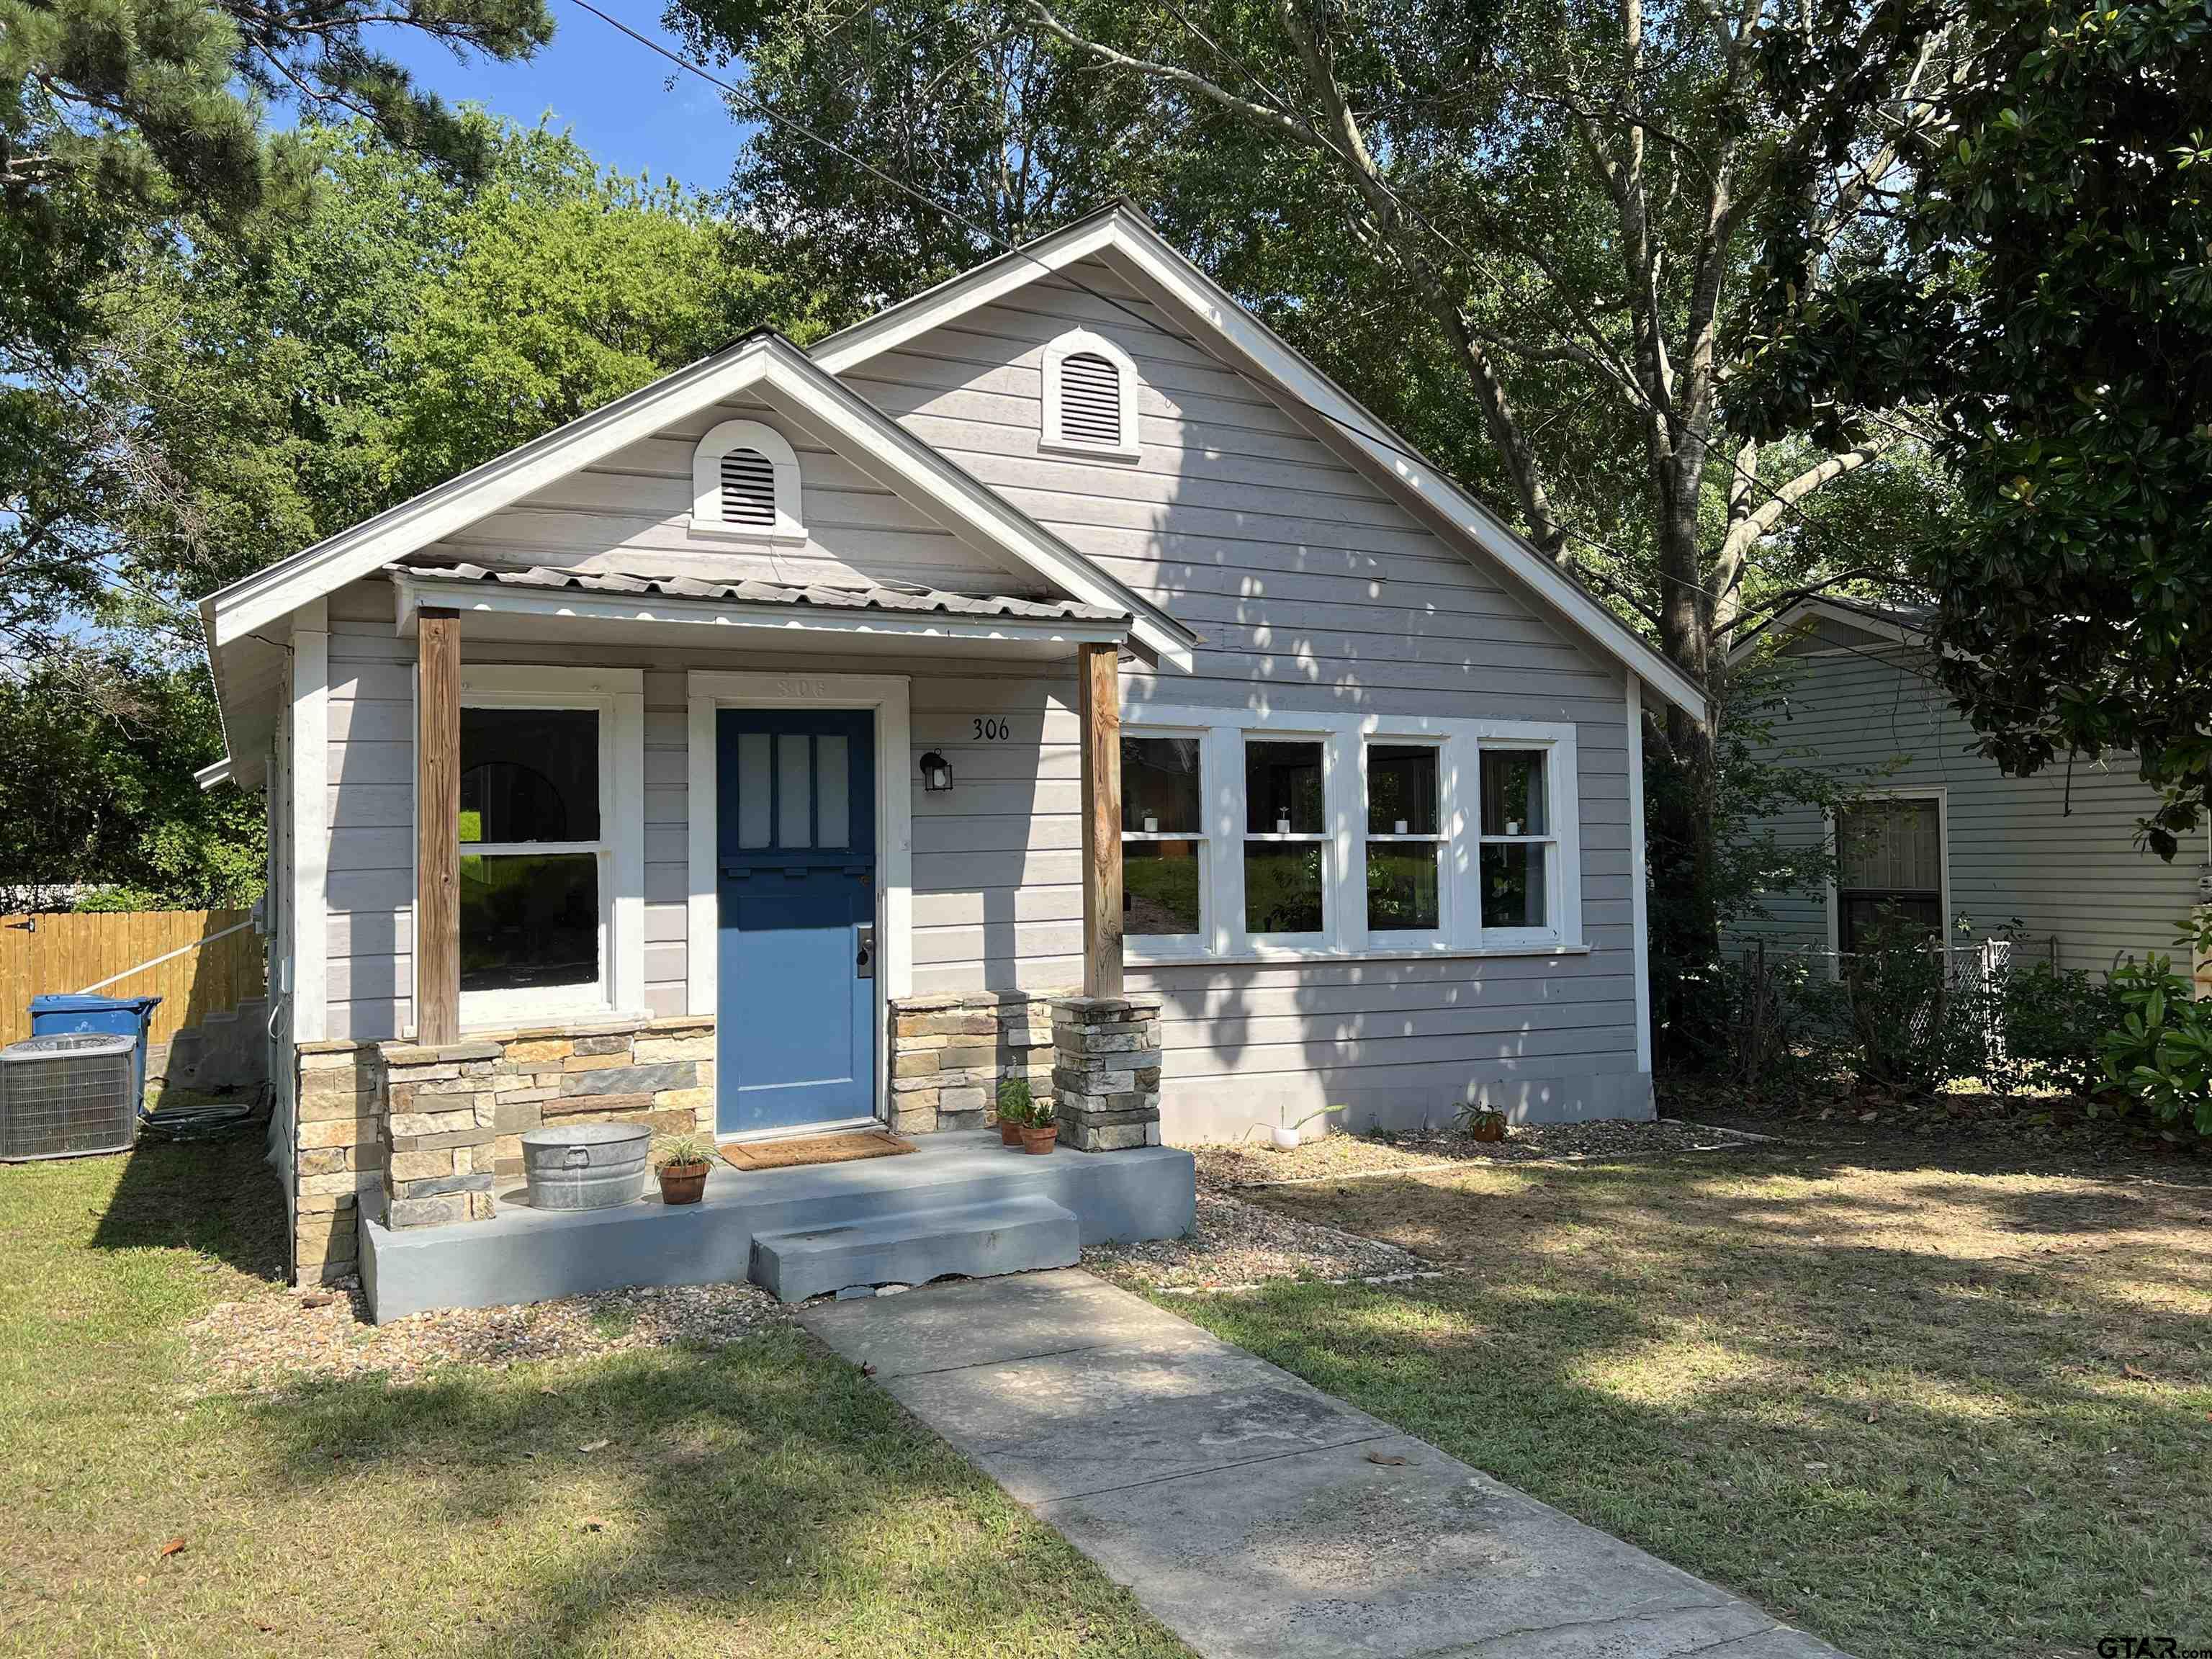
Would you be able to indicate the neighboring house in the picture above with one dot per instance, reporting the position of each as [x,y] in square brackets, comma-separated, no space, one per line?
[1937,835]
[774,747]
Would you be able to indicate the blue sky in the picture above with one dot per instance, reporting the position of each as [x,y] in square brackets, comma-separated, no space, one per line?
[610,91]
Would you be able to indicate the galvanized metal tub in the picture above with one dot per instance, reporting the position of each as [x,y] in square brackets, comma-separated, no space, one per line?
[585,1166]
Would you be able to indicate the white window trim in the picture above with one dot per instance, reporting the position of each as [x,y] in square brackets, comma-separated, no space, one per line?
[617,695]
[1180,943]
[1938,793]
[888,697]
[1056,353]
[1345,737]
[707,523]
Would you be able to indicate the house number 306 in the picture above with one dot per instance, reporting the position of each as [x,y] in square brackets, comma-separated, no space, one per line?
[992,730]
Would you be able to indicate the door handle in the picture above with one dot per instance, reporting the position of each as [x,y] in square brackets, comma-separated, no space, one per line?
[865,967]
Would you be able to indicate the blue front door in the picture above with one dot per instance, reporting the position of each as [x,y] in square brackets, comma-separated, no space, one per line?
[795,818]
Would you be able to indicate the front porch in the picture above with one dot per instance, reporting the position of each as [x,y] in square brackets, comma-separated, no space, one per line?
[959,1203]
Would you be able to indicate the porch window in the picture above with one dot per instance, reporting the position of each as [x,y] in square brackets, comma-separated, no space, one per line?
[532,843]
[1518,845]
[1405,839]
[1889,871]
[1285,837]
[1162,838]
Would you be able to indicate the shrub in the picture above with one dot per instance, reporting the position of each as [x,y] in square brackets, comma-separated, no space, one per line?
[2159,1054]
[1906,1027]
[1781,1020]
[1016,1105]
[2050,1026]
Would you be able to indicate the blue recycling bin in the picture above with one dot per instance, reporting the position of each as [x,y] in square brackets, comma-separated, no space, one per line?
[61,1015]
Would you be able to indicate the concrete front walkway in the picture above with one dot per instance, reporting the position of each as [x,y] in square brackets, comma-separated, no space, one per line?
[1255,1515]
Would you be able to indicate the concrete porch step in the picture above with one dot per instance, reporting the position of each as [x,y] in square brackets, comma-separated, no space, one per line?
[1006,1235]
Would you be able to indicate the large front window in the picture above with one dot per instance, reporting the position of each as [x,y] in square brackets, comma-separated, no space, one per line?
[532,843]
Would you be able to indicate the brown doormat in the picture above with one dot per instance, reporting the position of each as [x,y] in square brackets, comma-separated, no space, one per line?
[814,1149]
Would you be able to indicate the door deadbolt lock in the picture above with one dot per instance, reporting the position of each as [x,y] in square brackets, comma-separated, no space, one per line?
[865,968]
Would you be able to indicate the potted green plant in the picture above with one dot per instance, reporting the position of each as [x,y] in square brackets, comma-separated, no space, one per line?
[1480,1122]
[1014,1104]
[1286,1136]
[683,1164]
[1040,1128]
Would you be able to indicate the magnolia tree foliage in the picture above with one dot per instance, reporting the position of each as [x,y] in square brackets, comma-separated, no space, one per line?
[2046,308]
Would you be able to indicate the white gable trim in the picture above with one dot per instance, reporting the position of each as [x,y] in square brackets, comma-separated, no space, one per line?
[1126,235]
[1878,630]
[768,362]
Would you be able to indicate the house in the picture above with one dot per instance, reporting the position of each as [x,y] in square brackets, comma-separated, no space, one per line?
[1937,835]
[1054,666]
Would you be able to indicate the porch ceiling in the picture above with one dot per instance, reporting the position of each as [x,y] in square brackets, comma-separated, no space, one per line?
[541,603]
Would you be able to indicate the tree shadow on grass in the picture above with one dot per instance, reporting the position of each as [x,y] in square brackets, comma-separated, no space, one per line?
[1902,1406]
[219,1198]
[762,1497]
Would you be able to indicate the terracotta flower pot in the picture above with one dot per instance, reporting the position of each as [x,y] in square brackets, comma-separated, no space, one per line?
[683,1183]
[1488,1129]
[1010,1133]
[1038,1139]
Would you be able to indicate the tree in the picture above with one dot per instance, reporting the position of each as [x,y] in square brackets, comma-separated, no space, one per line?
[2049,307]
[1520,233]
[265,391]
[126,123]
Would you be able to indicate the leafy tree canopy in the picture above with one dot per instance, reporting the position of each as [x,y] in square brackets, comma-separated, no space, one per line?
[263,390]
[2049,307]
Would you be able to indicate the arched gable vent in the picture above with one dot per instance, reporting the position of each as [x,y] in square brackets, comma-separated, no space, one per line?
[1089,396]
[745,484]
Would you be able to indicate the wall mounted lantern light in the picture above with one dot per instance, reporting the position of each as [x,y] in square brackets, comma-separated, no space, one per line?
[936,773]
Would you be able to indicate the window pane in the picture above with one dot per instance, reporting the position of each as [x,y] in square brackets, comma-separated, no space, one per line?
[1401,886]
[530,775]
[1282,788]
[1159,886]
[1513,884]
[794,794]
[1160,784]
[530,920]
[756,795]
[1869,921]
[1402,789]
[1891,844]
[1513,793]
[834,779]
[1282,887]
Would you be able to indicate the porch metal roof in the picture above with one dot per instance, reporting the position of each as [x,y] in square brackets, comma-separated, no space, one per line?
[877,596]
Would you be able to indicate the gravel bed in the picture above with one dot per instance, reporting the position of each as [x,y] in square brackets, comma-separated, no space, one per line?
[1249,1164]
[1234,1243]
[270,1342]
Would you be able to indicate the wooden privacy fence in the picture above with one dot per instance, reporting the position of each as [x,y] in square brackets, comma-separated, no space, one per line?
[39,954]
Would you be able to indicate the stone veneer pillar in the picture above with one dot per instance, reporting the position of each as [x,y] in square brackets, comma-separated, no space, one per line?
[1106,1072]
[948,1055]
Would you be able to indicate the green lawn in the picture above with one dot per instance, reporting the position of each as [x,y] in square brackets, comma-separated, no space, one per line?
[1917,1404]
[763,1498]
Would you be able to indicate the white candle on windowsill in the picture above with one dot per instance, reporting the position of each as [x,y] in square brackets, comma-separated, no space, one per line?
[1401,827]
[1151,826]
[1282,826]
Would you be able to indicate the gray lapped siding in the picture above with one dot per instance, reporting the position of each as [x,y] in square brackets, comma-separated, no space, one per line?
[2056,851]
[1310,590]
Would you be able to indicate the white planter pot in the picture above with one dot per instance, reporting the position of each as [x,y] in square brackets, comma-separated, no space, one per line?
[1286,1140]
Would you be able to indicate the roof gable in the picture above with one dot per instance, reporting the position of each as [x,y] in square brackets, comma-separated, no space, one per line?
[765,363]
[1123,238]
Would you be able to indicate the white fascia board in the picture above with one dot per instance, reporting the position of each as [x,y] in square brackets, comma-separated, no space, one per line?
[882,445]
[472,597]
[213,773]
[1874,628]
[260,598]
[1267,353]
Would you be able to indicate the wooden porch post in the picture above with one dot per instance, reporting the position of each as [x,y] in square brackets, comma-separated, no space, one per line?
[1101,715]
[437,828]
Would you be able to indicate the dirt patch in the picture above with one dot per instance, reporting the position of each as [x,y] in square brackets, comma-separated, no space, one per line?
[1225,1168]
[1237,1243]
[273,1341]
